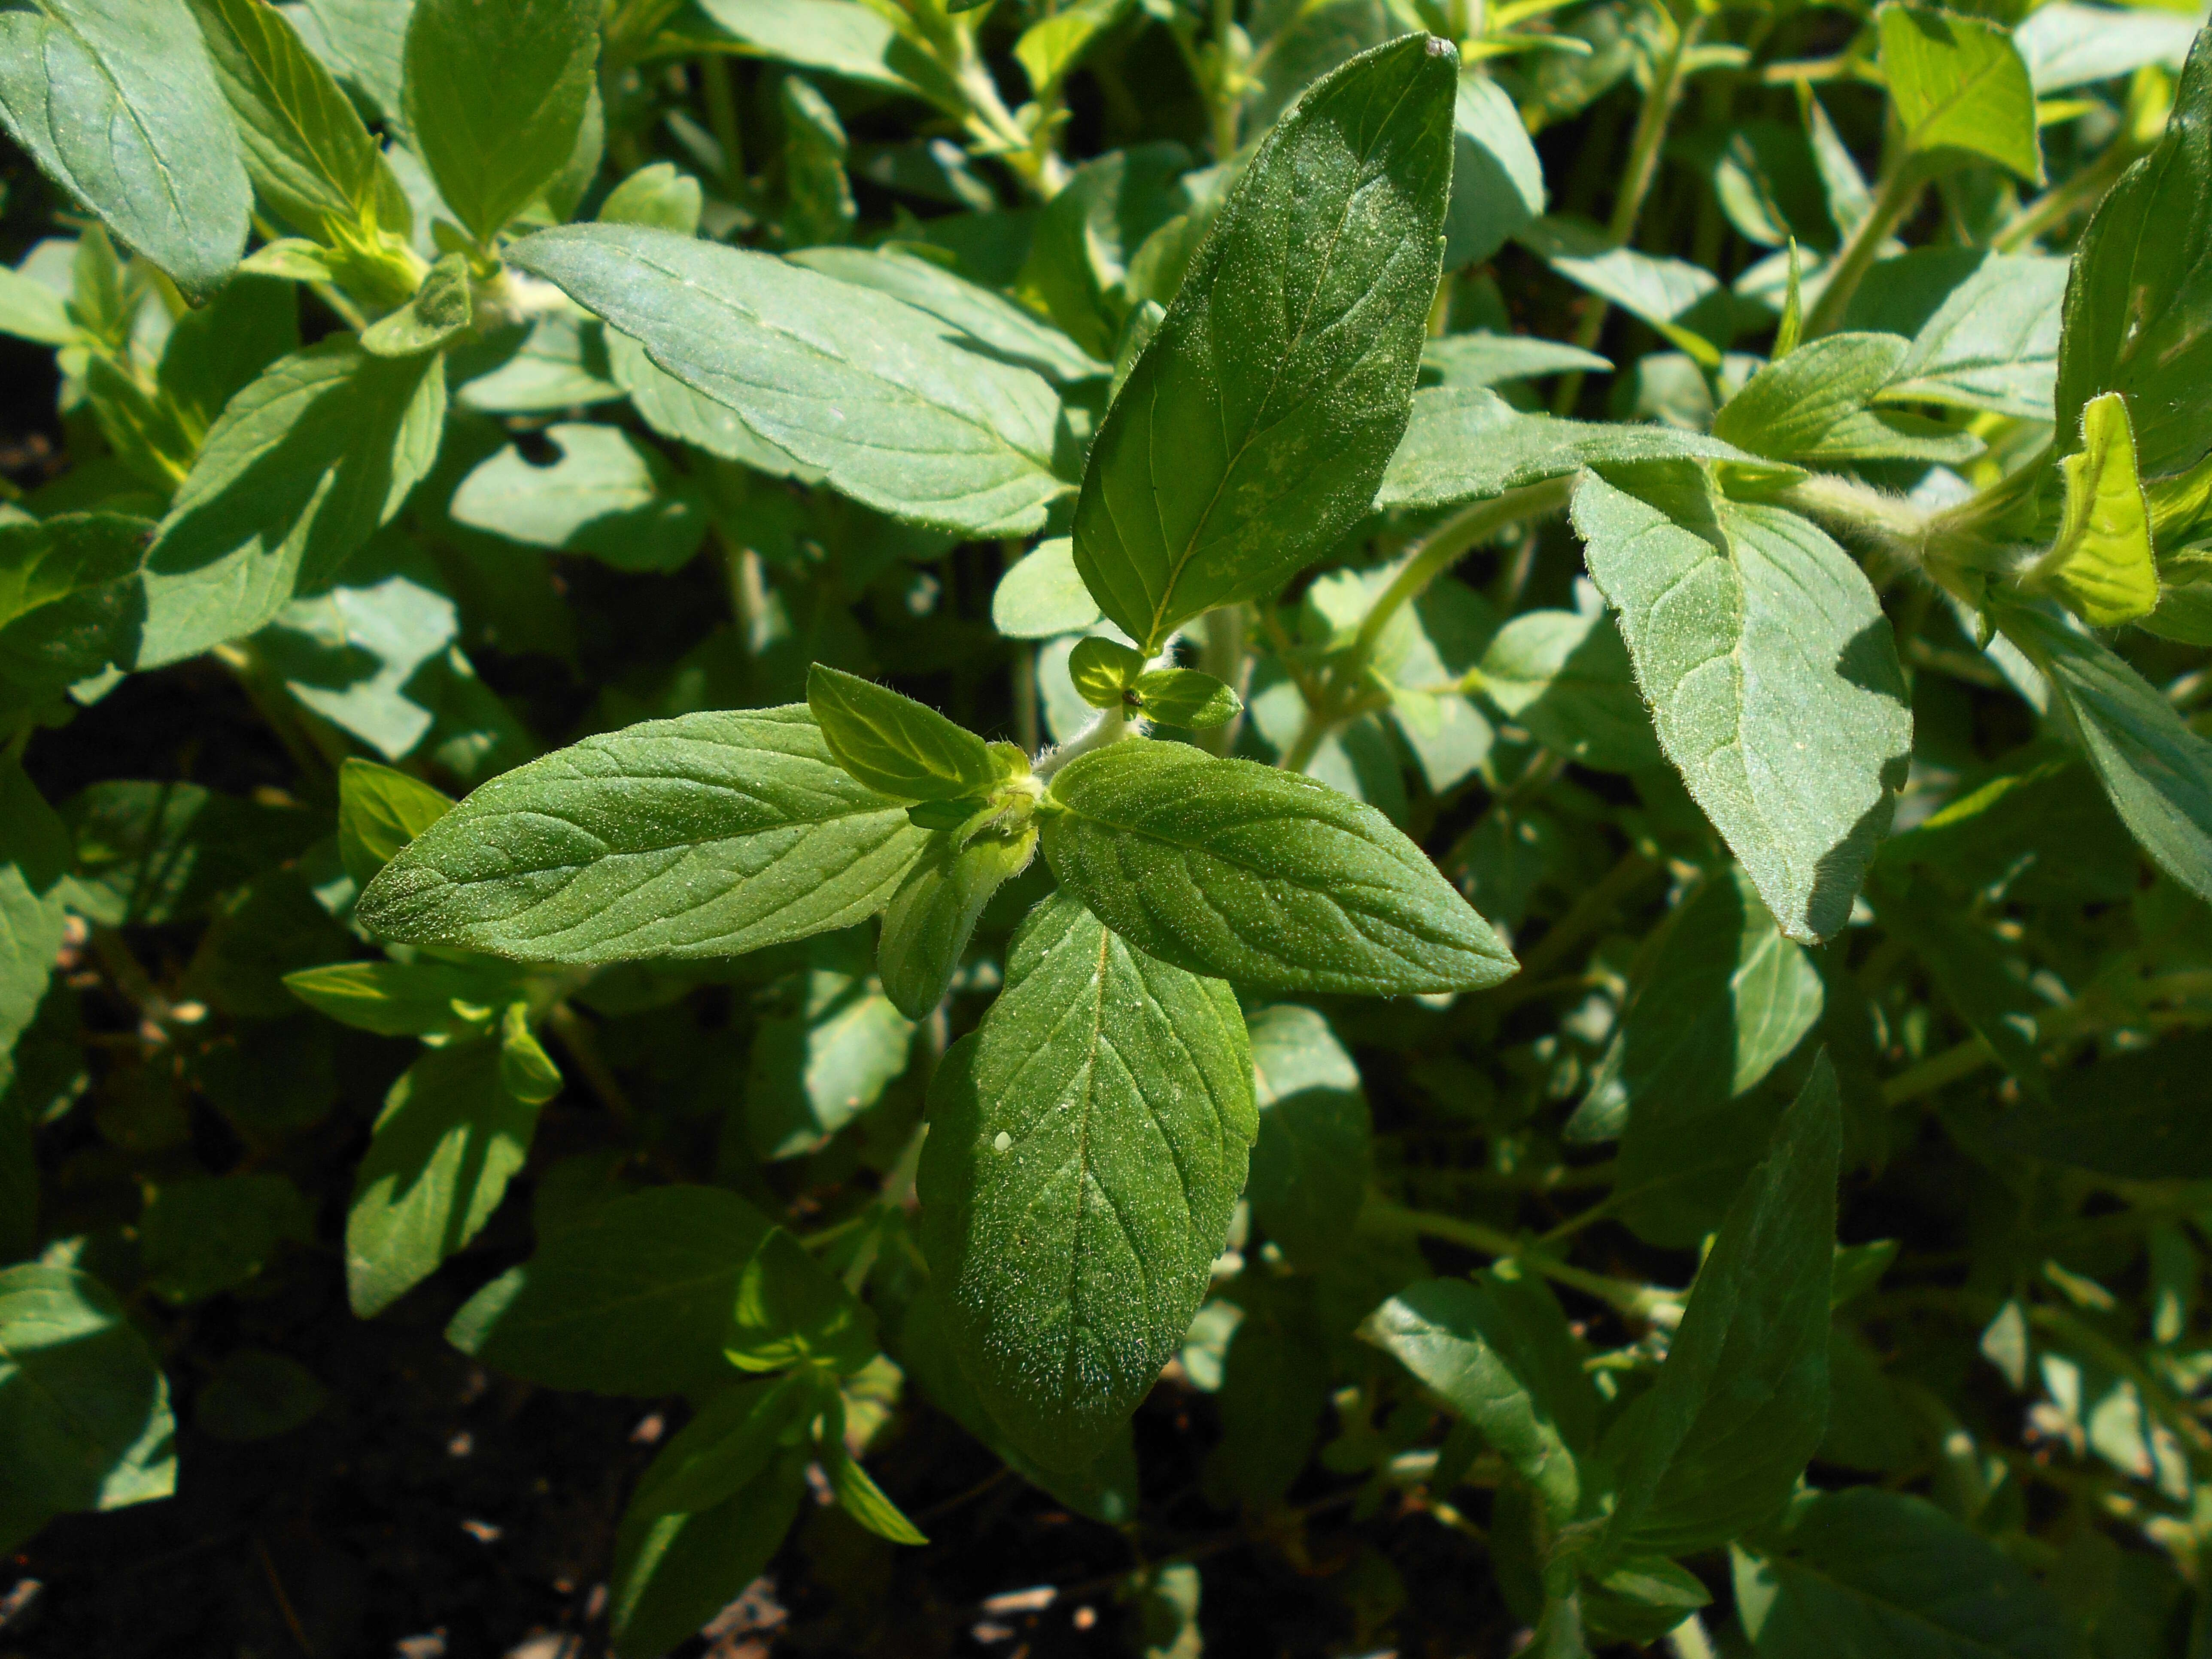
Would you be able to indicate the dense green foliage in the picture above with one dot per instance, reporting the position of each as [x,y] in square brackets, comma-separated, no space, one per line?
[1431,776]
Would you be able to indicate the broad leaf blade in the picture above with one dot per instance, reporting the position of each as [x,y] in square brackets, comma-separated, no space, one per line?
[495,97]
[634,1298]
[84,1409]
[1772,678]
[2139,302]
[1467,444]
[2157,771]
[1504,1367]
[1959,83]
[1261,876]
[708,836]
[117,101]
[1864,1571]
[844,378]
[1085,1149]
[449,1138]
[894,745]
[1718,1443]
[1253,430]
[303,468]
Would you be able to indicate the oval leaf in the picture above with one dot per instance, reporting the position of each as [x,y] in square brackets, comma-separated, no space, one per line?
[1227,867]
[708,836]
[1256,425]
[1086,1146]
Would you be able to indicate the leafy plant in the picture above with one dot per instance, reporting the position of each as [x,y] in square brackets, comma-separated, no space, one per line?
[1238,998]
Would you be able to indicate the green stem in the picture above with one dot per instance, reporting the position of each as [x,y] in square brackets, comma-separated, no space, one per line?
[1422,563]
[576,1038]
[1892,203]
[1222,654]
[1644,151]
[1592,909]
[721,98]
[2055,206]
[1653,1302]
[1223,95]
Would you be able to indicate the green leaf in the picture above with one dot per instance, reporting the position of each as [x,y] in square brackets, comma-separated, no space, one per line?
[31,310]
[2139,303]
[792,1311]
[1278,381]
[1722,999]
[117,103]
[1055,44]
[1959,83]
[303,468]
[1467,444]
[216,350]
[84,1409]
[675,411]
[893,745]
[366,40]
[381,810]
[1971,973]
[1565,675]
[554,364]
[1988,341]
[709,1513]
[70,599]
[440,308]
[851,381]
[1865,1570]
[984,322]
[635,1297]
[1640,1600]
[2101,567]
[929,921]
[819,205]
[255,1395]
[200,1238]
[35,870]
[444,1147]
[1227,867]
[2156,771]
[158,852]
[412,999]
[2133,1116]
[608,495]
[2067,46]
[1103,672]
[656,195]
[1772,674]
[1315,1151]
[1087,1146]
[1817,404]
[1043,595]
[1186,698]
[311,159]
[814,1070]
[706,836]
[1089,235]
[1498,182]
[1469,361]
[1684,302]
[495,97]
[857,1494]
[835,37]
[1716,1445]
[1498,1352]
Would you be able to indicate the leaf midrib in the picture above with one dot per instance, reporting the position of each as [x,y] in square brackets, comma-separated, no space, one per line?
[1191,544]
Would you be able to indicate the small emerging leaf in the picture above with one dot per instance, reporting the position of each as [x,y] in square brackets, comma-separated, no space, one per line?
[2102,565]
[894,745]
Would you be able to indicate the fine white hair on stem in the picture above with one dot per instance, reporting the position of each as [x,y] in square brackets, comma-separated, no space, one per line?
[1108,725]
